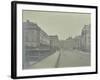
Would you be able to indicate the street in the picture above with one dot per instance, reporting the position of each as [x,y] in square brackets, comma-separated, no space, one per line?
[65,58]
[73,58]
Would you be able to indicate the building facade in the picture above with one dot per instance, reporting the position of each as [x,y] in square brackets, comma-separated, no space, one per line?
[54,42]
[81,42]
[86,38]
[34,40]
[77,42]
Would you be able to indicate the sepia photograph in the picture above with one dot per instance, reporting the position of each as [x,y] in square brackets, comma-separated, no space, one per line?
[51,39]
[56,39]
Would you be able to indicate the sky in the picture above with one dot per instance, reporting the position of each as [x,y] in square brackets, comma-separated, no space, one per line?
[63,24]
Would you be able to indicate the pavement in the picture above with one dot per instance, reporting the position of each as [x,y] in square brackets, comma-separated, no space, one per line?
[48,62]
[65,58]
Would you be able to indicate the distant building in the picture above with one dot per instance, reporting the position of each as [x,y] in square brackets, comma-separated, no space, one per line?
[54,41]
[86,36]
[67,44]
[62,44]
[77,42]
[80,42]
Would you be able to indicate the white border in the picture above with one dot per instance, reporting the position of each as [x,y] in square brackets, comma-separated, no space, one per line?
[33,72]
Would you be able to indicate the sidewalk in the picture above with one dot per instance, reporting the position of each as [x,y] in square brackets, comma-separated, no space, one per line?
[49,62]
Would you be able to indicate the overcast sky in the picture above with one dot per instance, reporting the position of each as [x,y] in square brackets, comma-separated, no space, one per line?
[58,23]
